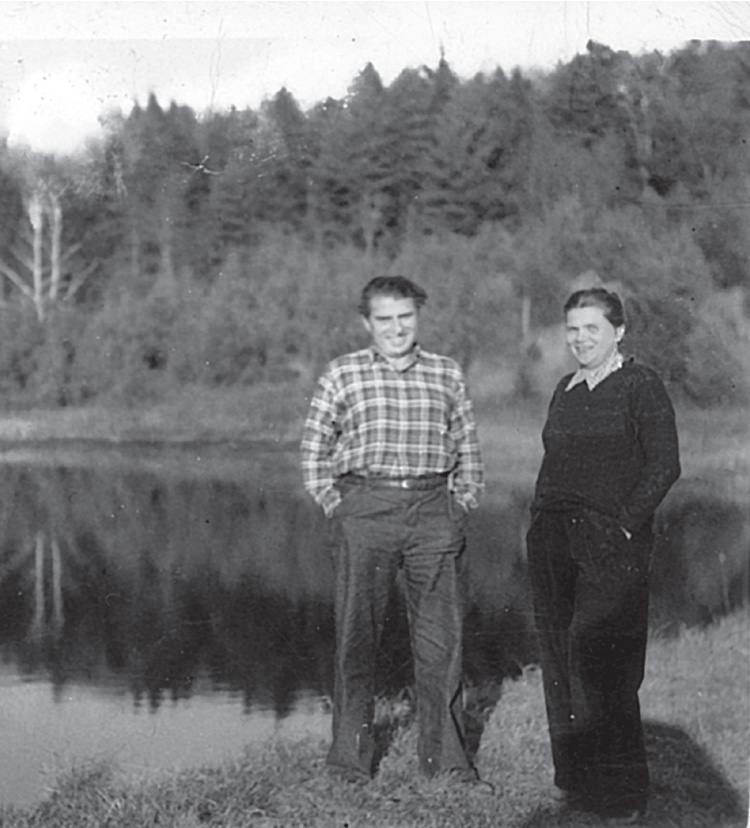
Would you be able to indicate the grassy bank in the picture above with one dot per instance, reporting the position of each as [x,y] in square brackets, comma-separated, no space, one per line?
[273,413]
[267,412]
[697,712]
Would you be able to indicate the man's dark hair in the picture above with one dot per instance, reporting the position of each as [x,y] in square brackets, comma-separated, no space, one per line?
[598,297]
[397,286]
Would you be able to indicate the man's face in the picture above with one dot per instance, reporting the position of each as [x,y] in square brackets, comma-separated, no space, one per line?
[392,324]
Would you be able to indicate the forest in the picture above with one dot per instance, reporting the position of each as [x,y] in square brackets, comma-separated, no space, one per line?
[226,248]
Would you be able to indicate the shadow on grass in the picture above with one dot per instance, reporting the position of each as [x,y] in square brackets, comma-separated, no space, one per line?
[687,790]
[392,715]
[396,714]
[481,700]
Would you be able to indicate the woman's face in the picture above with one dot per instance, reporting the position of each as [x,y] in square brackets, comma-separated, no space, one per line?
[591,336]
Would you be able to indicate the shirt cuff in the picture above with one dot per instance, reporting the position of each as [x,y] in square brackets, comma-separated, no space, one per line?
[466,500]
[329,499]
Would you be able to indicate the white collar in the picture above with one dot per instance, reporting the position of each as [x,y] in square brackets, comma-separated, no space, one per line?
[592,378]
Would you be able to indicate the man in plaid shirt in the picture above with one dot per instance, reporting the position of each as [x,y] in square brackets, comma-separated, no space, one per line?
[390,453]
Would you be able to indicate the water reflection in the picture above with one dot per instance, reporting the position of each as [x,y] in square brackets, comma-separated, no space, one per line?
[158,584]
[165,588]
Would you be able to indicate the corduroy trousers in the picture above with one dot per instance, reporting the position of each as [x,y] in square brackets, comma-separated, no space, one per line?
[590,588]
[378,531]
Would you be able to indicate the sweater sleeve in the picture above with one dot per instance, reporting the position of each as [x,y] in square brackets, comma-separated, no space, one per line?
[656,432]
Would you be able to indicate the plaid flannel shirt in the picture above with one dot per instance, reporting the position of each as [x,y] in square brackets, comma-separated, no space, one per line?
[368,418]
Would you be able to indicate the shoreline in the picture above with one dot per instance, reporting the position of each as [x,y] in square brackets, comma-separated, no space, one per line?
[698,771]
[147,426]
[237,426]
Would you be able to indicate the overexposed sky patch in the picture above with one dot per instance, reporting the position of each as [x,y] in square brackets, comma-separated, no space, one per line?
[71,61]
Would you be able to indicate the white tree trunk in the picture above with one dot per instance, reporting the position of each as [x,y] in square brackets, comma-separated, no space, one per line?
[36,218]
[57,593]
[37,626]
[56,257]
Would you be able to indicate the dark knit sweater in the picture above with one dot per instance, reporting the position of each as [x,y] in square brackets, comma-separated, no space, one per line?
[613,449]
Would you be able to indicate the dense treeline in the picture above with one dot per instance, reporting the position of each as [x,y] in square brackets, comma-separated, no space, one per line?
[229,247]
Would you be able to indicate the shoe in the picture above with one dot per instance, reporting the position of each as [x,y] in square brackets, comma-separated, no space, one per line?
[470,778]
[353,776]
[573,800]
[482,786]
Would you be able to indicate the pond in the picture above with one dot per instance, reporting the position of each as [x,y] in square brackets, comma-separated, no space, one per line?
[167,607]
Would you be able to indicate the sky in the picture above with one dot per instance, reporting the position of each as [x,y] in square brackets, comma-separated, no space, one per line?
[64,64]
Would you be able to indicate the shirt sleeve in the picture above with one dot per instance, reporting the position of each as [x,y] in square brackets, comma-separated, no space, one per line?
[318,440]
[657,435]
[468,477]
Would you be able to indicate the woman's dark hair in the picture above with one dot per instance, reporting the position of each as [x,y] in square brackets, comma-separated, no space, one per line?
[597,297]
[398,286]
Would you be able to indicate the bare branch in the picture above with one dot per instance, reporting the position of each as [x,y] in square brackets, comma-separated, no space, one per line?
[23,258]
[11,274]
[80,278]
[74,248]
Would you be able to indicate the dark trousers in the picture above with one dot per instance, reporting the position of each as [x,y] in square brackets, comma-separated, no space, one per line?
[590,586]
[422,532]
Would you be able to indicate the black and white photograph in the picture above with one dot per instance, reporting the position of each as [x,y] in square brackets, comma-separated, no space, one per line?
[374,414]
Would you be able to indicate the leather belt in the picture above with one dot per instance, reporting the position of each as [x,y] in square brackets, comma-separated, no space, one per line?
[429,481]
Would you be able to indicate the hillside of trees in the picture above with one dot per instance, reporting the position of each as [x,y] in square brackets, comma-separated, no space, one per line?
[224,248]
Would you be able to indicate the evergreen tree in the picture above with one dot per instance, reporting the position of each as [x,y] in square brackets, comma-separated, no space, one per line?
[233,147]
[283,136]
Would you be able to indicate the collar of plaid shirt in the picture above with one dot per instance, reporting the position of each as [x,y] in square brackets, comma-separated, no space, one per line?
[400,364]
[593,378]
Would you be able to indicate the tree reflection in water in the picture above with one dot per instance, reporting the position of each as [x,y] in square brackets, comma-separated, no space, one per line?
[167,585]
[159,584]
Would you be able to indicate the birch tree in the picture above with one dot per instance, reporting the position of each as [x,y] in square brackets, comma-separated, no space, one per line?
[38,262]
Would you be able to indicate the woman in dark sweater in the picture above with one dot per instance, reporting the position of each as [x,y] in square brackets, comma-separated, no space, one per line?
[611,455]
